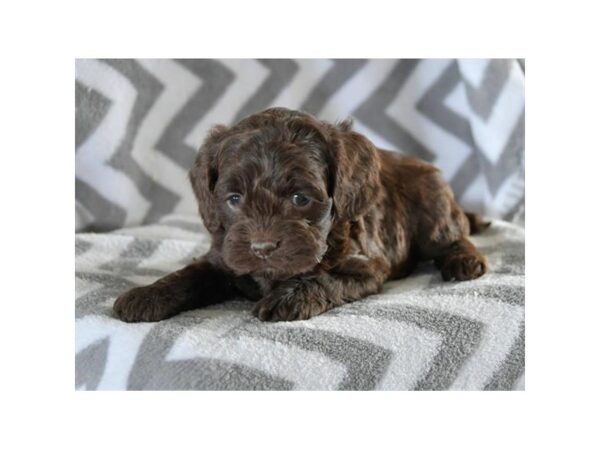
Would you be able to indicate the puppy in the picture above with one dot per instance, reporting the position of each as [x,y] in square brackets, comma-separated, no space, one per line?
[306,216]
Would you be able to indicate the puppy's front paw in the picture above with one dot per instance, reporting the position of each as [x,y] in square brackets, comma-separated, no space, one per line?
[295,301]
[464,266]
[144,304]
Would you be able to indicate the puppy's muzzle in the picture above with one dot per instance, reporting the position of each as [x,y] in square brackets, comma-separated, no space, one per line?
[263,249]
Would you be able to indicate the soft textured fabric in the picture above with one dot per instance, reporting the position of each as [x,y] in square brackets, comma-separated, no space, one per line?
[139,124]
[420,333]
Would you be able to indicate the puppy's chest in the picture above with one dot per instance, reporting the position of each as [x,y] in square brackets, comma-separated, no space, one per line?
[254,287]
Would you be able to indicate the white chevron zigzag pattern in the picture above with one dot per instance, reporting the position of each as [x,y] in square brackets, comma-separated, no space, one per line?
[140,122]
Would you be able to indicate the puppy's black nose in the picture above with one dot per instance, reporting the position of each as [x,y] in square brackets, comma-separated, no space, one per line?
[263,249]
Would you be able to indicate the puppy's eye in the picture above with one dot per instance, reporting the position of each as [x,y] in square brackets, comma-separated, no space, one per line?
[234,200]
[299,199]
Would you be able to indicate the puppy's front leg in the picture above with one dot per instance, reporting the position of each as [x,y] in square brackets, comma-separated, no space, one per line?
[196,285]
[303,297]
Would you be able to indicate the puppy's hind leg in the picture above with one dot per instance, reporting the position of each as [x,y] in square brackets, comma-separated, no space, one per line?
[446,242]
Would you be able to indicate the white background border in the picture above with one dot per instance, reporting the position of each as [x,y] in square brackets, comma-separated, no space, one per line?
[559,407]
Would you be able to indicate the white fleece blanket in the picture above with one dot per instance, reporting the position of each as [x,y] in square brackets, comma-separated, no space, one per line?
[420,333]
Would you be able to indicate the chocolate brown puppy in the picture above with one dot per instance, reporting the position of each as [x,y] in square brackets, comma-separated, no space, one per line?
[306,216]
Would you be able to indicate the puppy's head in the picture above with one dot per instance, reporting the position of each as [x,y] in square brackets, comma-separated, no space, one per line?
[274,185]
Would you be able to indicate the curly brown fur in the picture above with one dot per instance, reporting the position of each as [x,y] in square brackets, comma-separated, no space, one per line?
[306,216]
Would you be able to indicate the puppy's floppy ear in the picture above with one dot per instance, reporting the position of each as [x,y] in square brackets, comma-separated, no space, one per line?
[356,167]
[203,177]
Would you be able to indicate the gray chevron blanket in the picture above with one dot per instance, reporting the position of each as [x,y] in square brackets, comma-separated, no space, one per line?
[418,334]
[138,125]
